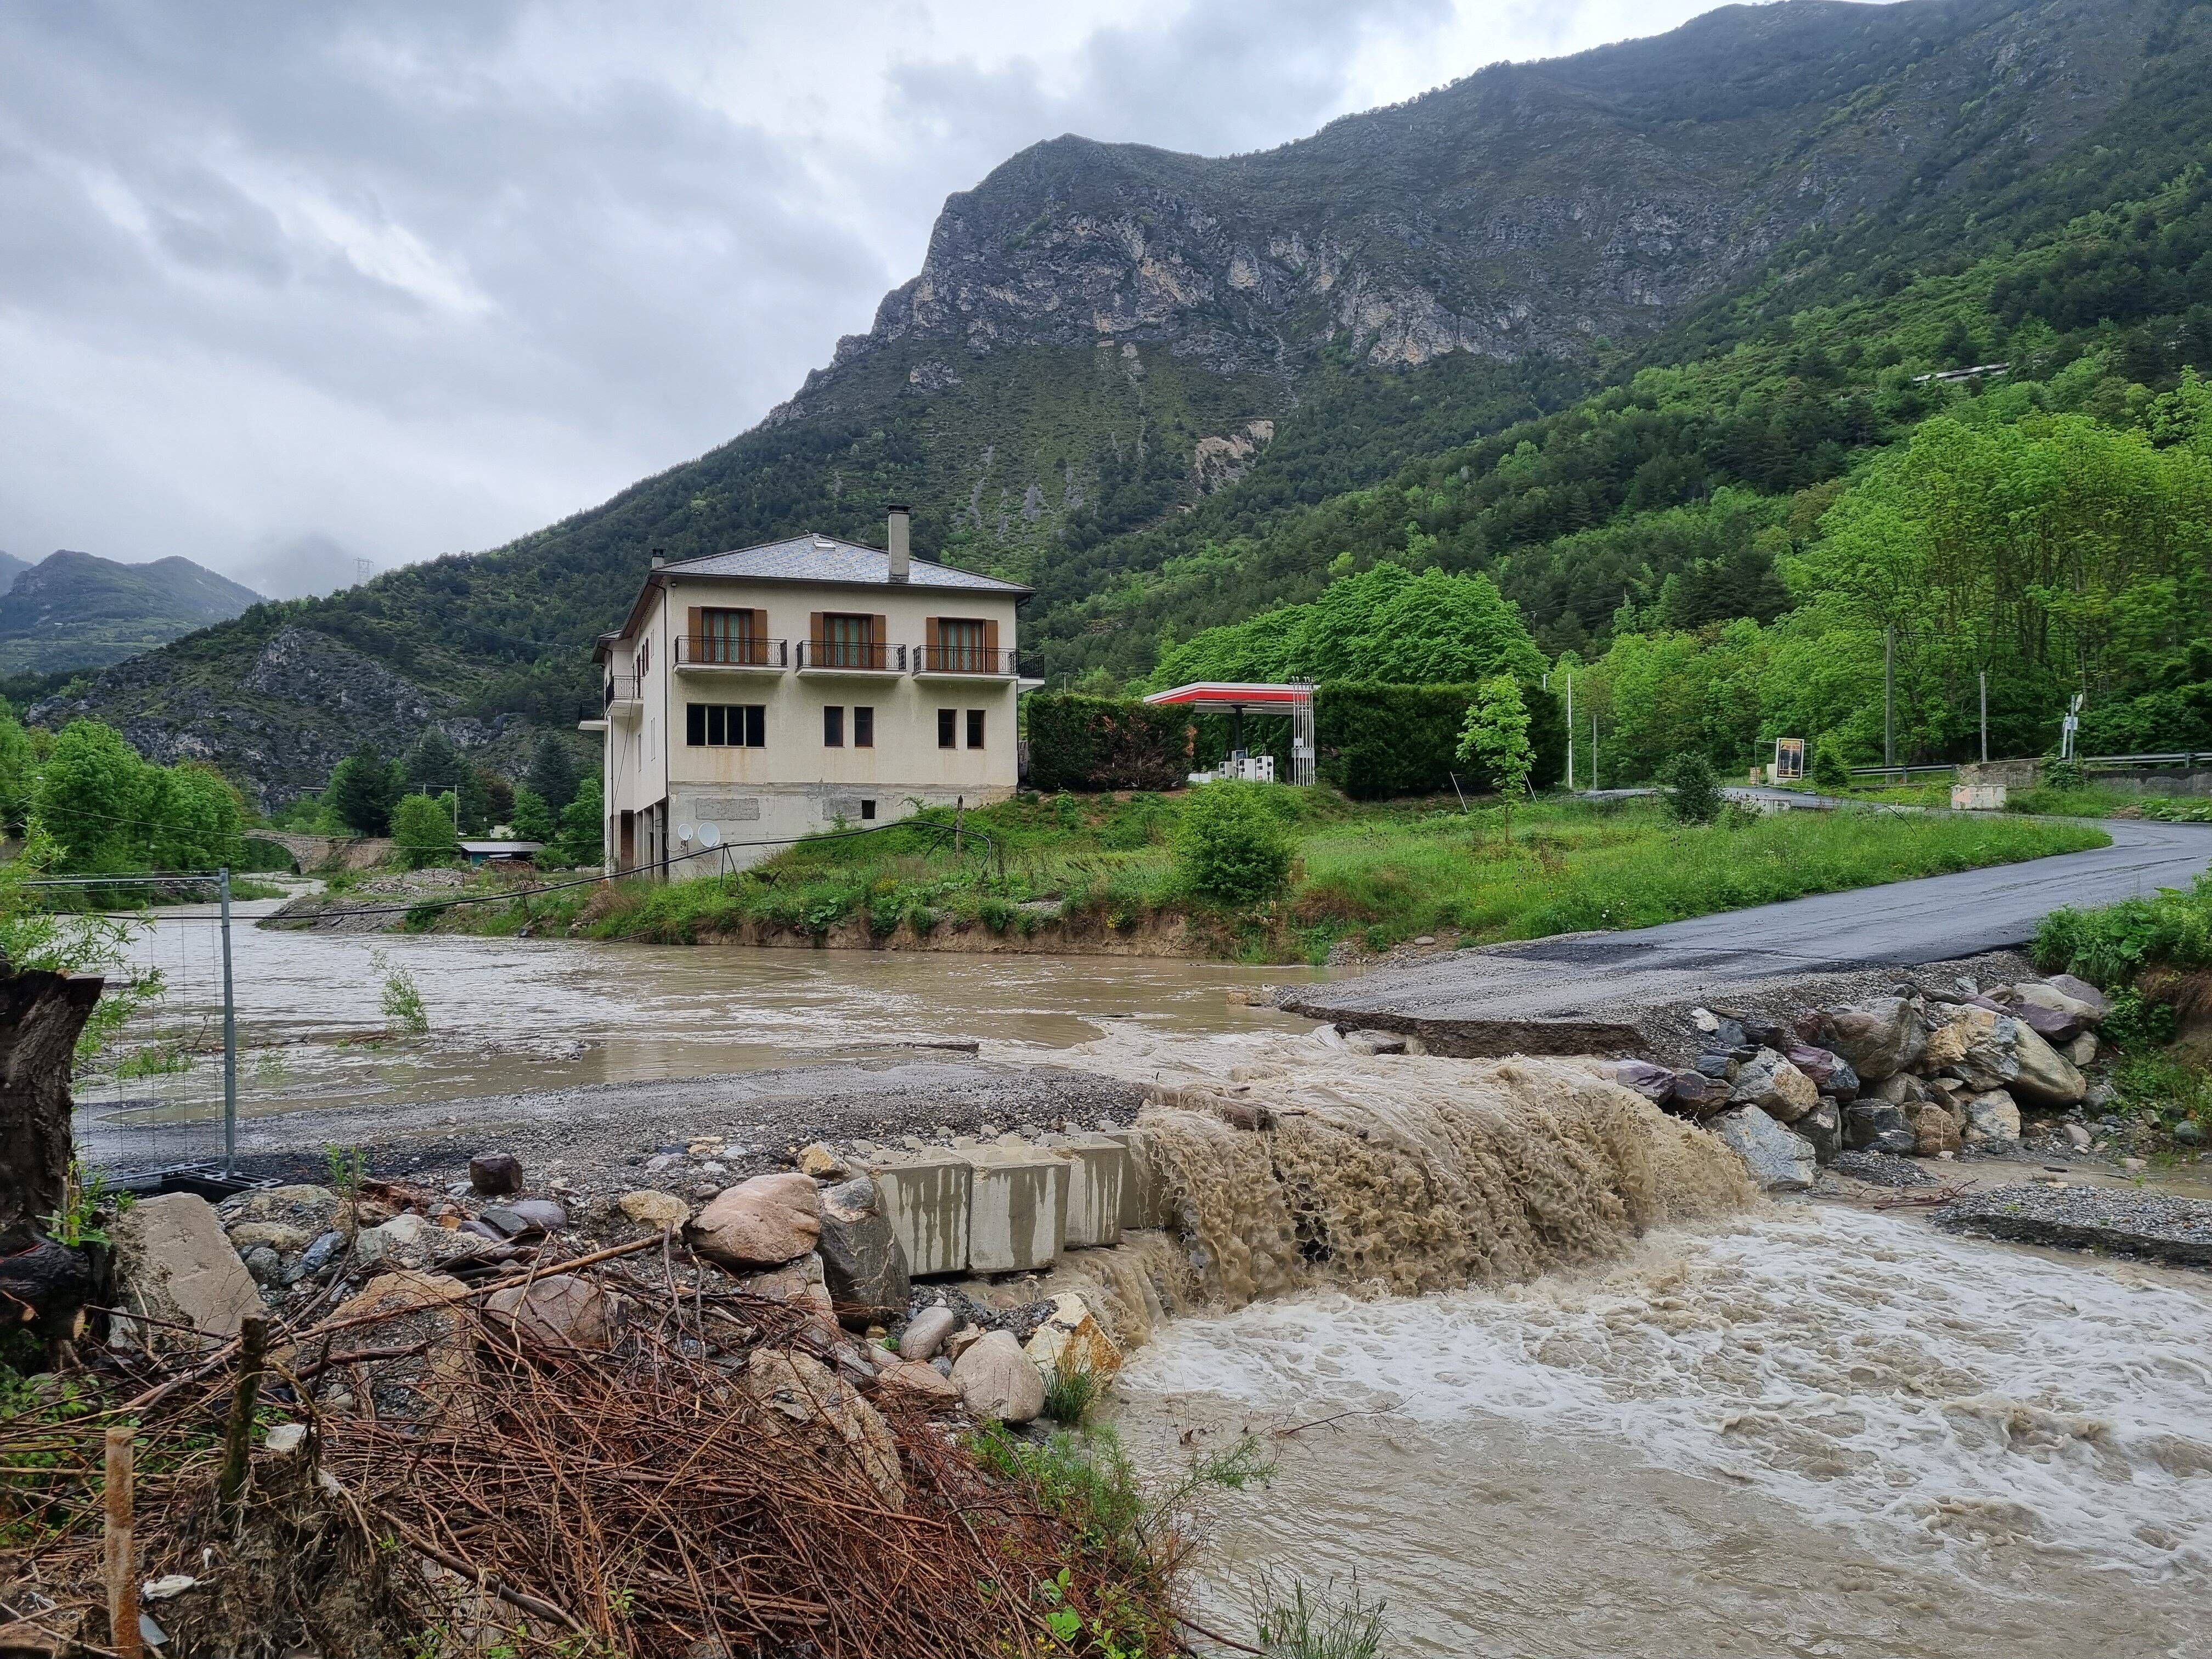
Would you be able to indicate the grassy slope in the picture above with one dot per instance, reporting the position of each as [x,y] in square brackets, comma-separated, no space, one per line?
[1378,874]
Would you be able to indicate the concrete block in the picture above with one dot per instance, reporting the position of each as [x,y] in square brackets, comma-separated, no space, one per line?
[1017,1210]
[1097,1173]
[927,1197]
[1144,1202]
[173,1263]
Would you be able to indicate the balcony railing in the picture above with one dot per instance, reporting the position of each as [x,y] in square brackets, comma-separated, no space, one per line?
[620,688]
[824,654]
[963,659]
[714,651]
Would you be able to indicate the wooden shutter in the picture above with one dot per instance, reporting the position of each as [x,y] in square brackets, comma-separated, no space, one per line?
[991,646]
[695,630]
[878,653]
[929,640]
[814,639]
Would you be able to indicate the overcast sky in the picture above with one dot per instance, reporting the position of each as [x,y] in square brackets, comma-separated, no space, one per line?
[286,286]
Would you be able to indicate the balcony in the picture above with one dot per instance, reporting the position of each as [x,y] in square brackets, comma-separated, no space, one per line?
[740,657]
[963,662]
[623,699]
[850,659]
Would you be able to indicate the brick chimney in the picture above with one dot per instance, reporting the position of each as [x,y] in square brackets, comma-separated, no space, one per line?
[895,540]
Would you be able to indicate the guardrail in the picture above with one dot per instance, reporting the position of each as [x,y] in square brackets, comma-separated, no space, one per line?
[1900,771]
[620,688]
[965,659]
[2189,758]
[709,651]
[851,654]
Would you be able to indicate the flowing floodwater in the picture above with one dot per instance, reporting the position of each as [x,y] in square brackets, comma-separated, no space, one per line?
[1817,1431]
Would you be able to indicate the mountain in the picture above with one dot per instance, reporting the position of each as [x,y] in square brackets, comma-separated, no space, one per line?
[1147,383]
[74,610]
[10,567]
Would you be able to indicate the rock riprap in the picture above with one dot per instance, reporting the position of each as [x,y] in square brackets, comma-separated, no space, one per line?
[762,1223]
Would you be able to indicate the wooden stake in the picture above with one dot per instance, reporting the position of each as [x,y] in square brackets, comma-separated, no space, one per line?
[122,1560]
[238,1430]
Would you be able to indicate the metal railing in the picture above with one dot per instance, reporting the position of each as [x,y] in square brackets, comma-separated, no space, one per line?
[714,651]
[620,688]
[965,659]
[852,653]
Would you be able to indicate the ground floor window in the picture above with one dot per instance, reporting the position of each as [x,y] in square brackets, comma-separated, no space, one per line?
[974,728]
[726,725]
[867,809]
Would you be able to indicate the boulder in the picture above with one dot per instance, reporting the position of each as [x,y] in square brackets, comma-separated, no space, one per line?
[2080,991]
[173,1263]
[650,1208]
[1992,1117]
[926,1333]
[1778,1089]
[1696,1094]
[1987,1050]
[761,1223]
[861,1259]
[402,1309]
[496,1175]
[1763,1033]
[1934,1130]
[809,1404]
[997,1380]
[526,1218]
[1655,1083]
[1071,1339]
[2049,1023]
[416,1243]
[561,1313]
[1831,1073]
[1728,1032]
[802,1280]
[1900,1089]
[1823,1127]
[1717,1064]
[1375,1042]
[1876,1126]
[820,1163]
[1781,1160]
[2082,1050]
[286,1219]
[2078,1136]
[920,1383]
[1879,1038]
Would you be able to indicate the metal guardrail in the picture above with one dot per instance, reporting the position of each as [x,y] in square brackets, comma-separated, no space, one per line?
[965,659]
[2183,757]
[709,651]
[1900,771]
[620,688]
[851,653]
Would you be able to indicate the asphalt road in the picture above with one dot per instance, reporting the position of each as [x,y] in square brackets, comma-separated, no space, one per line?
[1581,982]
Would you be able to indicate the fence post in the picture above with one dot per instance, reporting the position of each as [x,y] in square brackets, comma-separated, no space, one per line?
[121,1558]
[229,1038]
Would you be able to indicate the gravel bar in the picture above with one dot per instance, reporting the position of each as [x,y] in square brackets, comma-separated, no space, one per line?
[2118,1220]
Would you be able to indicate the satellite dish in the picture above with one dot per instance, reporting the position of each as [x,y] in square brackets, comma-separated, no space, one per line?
[709,836]
[683,832]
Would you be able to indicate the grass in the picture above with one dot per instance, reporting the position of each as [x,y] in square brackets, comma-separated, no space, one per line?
[2095,801]
[1380,873]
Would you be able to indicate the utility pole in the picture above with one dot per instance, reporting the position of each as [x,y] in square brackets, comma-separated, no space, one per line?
[1593,752]
[1889,697]
[1570,731]
[1984,679]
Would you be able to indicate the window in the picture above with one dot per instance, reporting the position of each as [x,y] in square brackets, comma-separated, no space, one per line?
[864,729]
[947,723]
[849,641]
[833,727]
[727,636]
[960,647]
[867,809]
[726,725]
[974,728]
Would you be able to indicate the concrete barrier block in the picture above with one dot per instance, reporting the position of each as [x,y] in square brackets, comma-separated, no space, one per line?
[1017,1212]
[1144,1194]
[1097,1174]
[927,1197]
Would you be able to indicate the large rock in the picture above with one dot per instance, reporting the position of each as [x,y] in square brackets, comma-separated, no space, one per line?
[997,1380]
[1876,1126]
[1655,1083]
[1071,1339]
[1831,1073]
[496,1175]
[1992,1117]
[286,1219]
[1823,1127]
[2079,1015]
[1879,1038]
[1935,1127]
[761,1223]
[559,1314]
[415,1242]
[1900,1089]
[861,1260]
[1778,1089]
[649,1208]
[809,1404]
[1986,1049]
[1781,1160]
[2084,993]
[925,1333]
[1694,1094]
[2048,1024]
[924,1385]
[403,1308]
[173,1263]
[800,1281]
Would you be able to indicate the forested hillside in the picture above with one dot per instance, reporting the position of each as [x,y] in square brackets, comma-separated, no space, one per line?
[1170,392]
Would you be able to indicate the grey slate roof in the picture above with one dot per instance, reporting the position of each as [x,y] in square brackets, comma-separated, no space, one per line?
[824,559]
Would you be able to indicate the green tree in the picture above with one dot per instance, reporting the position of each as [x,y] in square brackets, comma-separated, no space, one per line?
[475,801]
[1832,773]
[362,790]
[531,820]
[423,827]
[434,763]
[1496,737]
[1230,847]
[552,772]
[93,795]
[18,770]
[201,821]
[583,825]
[1694,793]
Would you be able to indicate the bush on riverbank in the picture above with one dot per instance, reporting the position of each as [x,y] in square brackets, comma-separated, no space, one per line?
[1102,866]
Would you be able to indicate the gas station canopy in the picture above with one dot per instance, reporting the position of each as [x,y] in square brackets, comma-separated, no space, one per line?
[1227,696]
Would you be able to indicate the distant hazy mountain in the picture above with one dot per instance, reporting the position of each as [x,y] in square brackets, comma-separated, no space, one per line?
[10,567]
[73,609]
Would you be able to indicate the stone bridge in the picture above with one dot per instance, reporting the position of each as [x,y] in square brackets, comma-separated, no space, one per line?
[325,852]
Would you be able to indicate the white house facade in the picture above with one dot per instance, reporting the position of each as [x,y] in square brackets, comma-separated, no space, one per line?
[756,697]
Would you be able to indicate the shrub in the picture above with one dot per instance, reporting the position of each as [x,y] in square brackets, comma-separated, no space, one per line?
[1230,847]
[422,828]
[1696,797]
[1378,740]
[2109,945]
[1831,773]
[1106,742]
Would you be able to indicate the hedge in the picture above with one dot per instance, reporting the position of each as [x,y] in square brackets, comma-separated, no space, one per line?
[1106,742]
[1381,740]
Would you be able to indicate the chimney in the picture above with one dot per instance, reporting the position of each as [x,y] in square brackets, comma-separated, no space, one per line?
[902,566]
[658,558]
